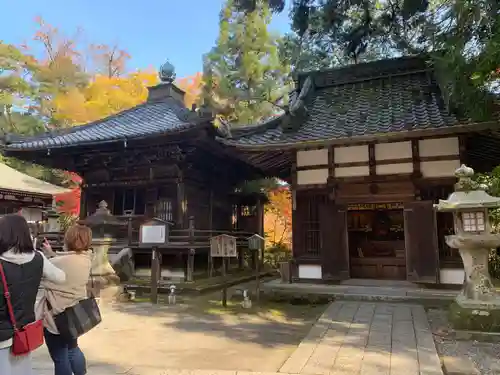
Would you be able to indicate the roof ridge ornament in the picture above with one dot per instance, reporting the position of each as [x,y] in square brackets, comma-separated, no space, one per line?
[167,72]
[297,111]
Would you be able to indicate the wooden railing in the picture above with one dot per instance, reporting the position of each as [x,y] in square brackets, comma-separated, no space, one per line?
[190,238]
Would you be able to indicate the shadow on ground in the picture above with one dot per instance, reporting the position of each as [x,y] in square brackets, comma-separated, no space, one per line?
[266,323]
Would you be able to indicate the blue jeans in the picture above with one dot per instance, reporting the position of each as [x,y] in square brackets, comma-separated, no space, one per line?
[67,357]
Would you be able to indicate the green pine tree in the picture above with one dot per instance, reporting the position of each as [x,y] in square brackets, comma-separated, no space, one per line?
[243,77]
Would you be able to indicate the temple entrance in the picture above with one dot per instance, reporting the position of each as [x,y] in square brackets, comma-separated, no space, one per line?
[377,241]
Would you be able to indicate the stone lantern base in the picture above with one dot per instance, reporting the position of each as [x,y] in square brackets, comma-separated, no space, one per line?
[477,307]
[481,319]
[104,282]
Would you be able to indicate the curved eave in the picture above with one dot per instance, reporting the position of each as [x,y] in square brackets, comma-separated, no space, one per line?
[7,149]
[390,136]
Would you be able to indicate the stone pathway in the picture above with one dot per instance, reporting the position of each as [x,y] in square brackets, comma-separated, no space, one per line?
[360,338]
[350,338]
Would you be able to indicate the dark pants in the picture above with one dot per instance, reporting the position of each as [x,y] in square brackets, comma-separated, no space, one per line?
[67,357]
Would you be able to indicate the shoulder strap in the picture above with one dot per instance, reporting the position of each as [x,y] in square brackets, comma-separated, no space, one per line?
[7,297]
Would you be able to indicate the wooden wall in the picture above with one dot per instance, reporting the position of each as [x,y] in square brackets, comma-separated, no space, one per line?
[427,158]
[325,180]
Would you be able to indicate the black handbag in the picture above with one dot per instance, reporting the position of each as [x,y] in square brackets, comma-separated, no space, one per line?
[77,320]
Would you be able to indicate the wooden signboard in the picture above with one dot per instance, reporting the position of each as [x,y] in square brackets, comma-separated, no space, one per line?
[375,206]
[223,246]
[153,233]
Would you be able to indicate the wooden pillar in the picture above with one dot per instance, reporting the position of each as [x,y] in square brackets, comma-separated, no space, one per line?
[191,253]
[371,159]
[181,201]
[155,273]
[260,225]
[415,152]
[83,202]
[462,139]
[210,227]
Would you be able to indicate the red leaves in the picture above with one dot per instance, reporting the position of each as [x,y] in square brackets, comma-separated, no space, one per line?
[69,203]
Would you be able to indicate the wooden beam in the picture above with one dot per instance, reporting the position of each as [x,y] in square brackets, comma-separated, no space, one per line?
[371,159]
[415,152]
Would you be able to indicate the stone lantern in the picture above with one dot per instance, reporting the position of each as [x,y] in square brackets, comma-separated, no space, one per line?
[53,224]
[477,307]
[104,278]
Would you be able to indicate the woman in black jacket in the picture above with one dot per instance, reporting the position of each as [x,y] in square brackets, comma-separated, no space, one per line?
[24,268]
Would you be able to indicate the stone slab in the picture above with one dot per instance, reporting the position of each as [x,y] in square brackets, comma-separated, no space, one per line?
[105,370]
[459,366]
[368,338]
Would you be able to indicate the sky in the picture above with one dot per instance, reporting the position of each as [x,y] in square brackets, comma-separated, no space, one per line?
[151,31]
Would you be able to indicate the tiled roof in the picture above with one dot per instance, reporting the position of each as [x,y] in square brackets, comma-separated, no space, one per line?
[143,120]
[367,99]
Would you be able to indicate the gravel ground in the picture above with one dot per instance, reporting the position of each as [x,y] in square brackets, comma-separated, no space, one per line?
[486,356]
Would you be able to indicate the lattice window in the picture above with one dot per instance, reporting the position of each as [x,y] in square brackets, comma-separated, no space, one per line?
[312,226]
[473,221]
[164,210]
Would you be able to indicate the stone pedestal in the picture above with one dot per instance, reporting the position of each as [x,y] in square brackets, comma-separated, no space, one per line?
[477,307]
[104,281]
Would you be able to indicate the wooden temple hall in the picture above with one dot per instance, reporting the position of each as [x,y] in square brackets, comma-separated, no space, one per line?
[157,160]
[367,150]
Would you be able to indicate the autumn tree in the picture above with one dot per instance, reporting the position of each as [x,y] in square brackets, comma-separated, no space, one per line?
[59,88]
[462,36]
[243,78]
[278,217]
[192,86]
[109,61]
[60,69]
[102,97]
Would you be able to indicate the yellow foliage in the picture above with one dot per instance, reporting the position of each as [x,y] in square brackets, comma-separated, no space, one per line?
[192,88]
[102,97]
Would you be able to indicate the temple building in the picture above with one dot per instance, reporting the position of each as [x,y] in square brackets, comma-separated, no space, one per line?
[368,149]
[158,159]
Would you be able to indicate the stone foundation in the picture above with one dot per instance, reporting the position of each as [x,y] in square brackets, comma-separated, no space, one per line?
[480,319]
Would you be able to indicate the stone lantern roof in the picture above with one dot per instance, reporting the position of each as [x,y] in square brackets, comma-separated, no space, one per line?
[468,194]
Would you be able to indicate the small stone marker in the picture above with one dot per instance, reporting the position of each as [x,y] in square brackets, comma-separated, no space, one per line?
[459,366]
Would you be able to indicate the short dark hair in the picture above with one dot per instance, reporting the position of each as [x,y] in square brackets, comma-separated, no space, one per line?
[15,234]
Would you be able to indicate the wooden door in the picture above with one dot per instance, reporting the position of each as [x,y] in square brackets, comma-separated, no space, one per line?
[422,251]
[334,241]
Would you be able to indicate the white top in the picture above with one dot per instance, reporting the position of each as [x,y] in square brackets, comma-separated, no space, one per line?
[50,272]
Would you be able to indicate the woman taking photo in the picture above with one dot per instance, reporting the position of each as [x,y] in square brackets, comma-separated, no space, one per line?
[75,262]
[23,269]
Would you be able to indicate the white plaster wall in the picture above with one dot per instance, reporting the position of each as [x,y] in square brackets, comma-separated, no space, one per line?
[310,271]
[452,276]
[312,157]
[386,169]
[352,171]
[394,150]
[31,214]
[438,147]
[351,154]
[441,168]
[312,176]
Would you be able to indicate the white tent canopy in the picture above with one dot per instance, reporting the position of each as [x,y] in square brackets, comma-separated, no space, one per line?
[11,179]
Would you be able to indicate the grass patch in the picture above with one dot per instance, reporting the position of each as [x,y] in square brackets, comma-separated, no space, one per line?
[264,308]
[201,283]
